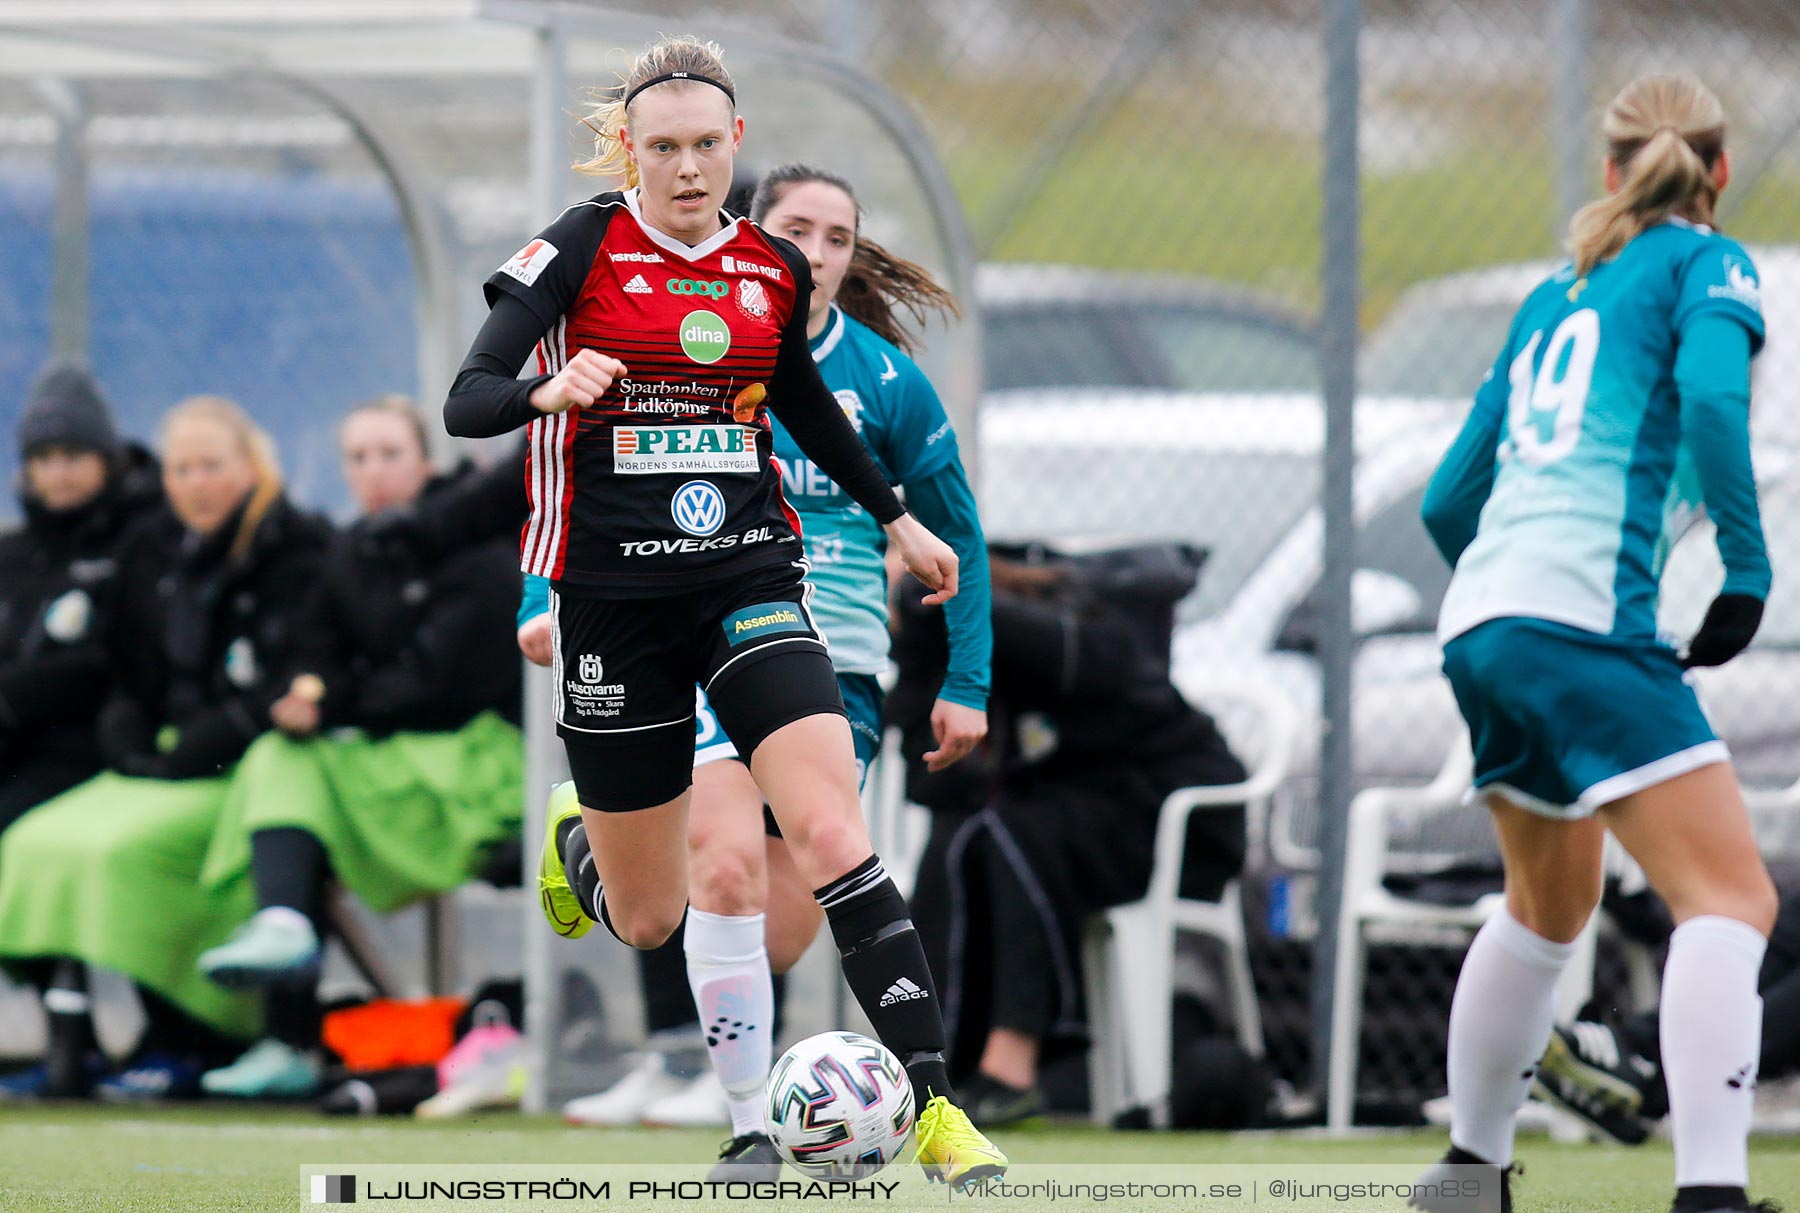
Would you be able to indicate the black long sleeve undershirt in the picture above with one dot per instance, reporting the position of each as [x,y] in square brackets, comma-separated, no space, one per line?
[486,400]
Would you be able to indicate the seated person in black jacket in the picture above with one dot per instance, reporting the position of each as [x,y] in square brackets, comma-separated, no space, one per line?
[1088,737]
[398,765]
[81,487]
[200,643]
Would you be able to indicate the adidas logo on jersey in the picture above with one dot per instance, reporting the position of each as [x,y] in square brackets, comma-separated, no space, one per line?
[903,991]
[637,286]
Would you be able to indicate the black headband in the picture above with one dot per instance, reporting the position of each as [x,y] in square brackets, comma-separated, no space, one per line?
[666,76]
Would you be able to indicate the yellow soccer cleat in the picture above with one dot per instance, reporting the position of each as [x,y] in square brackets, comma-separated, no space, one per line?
[952,1150]
[561,906]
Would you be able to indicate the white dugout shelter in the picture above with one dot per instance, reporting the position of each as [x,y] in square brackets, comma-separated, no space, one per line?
[295,202]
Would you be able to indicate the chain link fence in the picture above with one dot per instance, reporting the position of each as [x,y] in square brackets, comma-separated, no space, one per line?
[1141,183]
[1165,157]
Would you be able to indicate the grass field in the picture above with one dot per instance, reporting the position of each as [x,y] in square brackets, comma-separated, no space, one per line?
[204,1159]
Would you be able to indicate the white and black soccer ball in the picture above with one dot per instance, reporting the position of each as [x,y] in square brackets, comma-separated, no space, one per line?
[839,1106]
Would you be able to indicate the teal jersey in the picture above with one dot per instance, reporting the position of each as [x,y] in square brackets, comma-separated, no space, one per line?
[1588,425]
[895,409]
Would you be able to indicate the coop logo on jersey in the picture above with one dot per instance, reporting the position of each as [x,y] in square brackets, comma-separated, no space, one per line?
[693,286]
[737,265]
[698,508]
[752,300]
[852,405]
[529,262]
[1741,285]
[649,450]
[704,336]
[763,619]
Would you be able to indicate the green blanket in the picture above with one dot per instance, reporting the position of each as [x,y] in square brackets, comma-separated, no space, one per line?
[109,873]
[401,818]
[141,875]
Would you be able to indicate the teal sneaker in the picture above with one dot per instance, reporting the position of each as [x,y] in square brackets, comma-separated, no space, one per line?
[561,906]
[278,945]
[270,1070]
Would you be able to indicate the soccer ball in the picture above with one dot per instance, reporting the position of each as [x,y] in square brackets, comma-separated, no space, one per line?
[839,1106]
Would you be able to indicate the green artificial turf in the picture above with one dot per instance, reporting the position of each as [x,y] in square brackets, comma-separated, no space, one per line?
[195,1160]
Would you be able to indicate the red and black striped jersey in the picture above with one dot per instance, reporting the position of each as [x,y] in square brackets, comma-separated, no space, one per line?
[666,481]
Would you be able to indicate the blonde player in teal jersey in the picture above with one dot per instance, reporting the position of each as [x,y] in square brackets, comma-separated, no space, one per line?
[1550,507]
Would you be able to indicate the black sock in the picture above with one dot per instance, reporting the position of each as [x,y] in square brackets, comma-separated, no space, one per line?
[662,973]
[69,1011]
[288,866]
[1703,1198]
[885,967]
[580,871]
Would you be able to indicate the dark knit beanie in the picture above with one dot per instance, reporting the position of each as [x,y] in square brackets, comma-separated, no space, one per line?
[65,408]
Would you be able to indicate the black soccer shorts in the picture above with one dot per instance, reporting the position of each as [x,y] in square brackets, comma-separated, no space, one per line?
[625,671]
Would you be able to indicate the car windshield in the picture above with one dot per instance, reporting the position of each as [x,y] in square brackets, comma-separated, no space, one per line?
[1187,347]
[1236,504]
[1431,348]
[1694,573]
[1210,352]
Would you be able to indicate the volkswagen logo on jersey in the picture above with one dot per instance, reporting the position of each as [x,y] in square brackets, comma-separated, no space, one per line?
[688,286]
[704,336]
[698,508]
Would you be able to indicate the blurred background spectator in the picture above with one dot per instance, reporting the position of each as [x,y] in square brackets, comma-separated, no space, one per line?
[80,488]
[212,594]
[397,767]
[1088,736]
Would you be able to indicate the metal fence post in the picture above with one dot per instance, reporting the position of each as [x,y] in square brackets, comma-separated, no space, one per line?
[1569,118]
[1341,236]
[69,222]
[549,162]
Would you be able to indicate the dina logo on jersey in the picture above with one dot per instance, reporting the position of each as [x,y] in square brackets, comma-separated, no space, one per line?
[704,336]
[1741,285]
[698,508]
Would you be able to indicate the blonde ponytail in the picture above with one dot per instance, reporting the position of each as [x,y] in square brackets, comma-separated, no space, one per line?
[686,55]
[1664,135]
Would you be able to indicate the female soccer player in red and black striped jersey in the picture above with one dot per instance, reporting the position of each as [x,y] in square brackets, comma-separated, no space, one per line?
[663,329]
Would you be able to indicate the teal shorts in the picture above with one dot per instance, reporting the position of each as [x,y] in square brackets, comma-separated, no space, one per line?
[1563,721]
[862,703]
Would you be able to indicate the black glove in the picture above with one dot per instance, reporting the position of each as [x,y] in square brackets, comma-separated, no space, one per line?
[1730,624]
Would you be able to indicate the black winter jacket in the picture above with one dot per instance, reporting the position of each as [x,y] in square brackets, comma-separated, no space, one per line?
[1079,703]
[57,577]
[406,639]
[201,646]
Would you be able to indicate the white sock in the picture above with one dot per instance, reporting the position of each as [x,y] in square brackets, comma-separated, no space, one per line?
[1500,1022]
[728,970]
[1711,1038]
